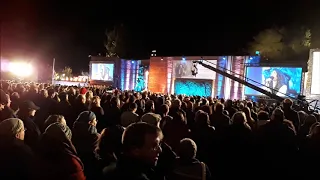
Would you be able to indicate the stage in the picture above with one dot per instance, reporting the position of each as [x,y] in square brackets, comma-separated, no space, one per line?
[174,75]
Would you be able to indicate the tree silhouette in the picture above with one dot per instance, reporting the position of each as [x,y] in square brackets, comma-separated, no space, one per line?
[268,43]
[117,42]
[284,43]
[67,71]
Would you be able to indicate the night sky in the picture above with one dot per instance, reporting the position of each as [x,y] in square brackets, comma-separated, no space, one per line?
[72,30]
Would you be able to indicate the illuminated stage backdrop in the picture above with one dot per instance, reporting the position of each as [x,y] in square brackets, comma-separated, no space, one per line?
[194,87]
[129,74]
[163,72]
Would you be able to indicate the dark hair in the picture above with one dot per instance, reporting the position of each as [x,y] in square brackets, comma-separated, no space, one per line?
[202,118]
[219,107]
[110,141]
[133,106]
[134,135]
[206,109]
[164,108]
[263,115]
[187,149]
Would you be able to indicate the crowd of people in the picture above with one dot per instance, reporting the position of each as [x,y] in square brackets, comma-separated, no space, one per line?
[72,133]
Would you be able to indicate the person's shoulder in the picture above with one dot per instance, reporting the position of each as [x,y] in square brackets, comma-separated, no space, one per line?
[76,163]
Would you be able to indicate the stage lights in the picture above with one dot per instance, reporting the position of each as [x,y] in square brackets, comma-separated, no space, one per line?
[21,69]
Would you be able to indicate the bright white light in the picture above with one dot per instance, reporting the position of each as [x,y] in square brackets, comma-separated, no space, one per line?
[21,69]
[315,78]
[146,78]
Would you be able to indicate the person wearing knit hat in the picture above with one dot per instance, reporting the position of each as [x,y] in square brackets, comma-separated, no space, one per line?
[87,117]
[85,138]
[54,119]
[83,91]
[58,131]
[57,155]
[12,128]
[16,157]
[85,122]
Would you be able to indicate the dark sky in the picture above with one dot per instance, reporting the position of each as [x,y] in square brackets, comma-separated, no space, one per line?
[71,30]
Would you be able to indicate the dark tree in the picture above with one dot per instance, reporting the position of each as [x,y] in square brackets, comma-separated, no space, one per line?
[118,42]
[282,43]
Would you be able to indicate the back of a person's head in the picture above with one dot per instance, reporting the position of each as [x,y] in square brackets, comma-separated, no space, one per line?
[135,134]
[263,115]
[277,115]
[287,103]
[302,116]
[110,140]
[219,107]
[151,118]
[314,130]
[114,102]
[239,118]
[164,109]
[149,105]
[179,118]
[249,104]
[131,99]
[58,132]
[187,149]
[63,96]
[241,106]
[202,118]
[133,106]
[54,119]
[207,109]
[311,119]
[9,128]
[229,103]
[176,103]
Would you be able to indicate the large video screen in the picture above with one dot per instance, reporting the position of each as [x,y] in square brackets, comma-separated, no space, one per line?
[193,87]
[102,71]
[315,79]
[281,81]
[183,69]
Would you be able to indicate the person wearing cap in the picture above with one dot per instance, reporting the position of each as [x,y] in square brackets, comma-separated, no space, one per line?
[85,139]
[26,114]
[16,157]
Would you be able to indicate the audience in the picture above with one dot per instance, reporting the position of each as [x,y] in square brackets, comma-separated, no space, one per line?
[90,133]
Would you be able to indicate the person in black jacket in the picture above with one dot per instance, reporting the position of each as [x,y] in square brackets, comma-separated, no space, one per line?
[141,150]
[16,157]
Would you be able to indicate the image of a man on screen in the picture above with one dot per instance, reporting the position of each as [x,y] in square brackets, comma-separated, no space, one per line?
[277,83]
[104,73]
[180,70]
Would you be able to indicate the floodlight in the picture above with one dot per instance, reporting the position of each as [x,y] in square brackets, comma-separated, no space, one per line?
[20,69]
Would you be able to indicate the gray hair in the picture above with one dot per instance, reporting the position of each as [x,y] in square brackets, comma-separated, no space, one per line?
[187,149]
[11,127]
